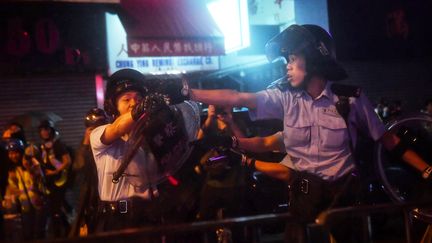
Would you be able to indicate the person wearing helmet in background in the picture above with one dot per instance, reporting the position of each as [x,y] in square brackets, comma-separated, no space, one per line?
[320,119]
[87,179]
[12,130]
[56,160]
[122,204]
[23,202]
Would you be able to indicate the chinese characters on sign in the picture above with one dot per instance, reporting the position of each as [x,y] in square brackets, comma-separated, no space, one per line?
[167,63]
[129,53]
[139,47]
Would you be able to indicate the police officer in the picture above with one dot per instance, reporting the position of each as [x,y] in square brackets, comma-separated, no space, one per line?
[122,204]
[321,119]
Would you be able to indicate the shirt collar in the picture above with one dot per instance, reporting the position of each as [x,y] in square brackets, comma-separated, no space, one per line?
[326,92]
[298,93]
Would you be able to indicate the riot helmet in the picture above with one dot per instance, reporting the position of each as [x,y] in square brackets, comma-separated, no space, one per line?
[122,81]
[95,117]
[315,43]
[14,144]
[48,125]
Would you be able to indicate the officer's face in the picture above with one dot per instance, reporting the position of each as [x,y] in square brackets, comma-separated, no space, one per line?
[127,100]
[296,70]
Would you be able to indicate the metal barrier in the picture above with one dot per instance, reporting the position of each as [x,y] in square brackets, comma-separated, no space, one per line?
[325,221]
[327,218]
[133,234]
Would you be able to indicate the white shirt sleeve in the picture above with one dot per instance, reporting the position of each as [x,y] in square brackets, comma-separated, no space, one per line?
[95,141]
[269,105]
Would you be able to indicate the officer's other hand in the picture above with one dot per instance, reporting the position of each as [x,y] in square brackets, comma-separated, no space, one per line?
[140,109]
[148,105]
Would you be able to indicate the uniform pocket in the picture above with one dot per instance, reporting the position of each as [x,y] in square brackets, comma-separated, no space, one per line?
[297,133]
[333,133]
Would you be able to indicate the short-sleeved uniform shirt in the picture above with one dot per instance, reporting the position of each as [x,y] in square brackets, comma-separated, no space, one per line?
[108,158]
[316,137]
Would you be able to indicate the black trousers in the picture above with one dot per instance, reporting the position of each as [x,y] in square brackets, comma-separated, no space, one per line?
[310,195]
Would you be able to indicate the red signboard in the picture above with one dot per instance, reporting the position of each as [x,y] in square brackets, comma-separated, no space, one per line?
[170,28]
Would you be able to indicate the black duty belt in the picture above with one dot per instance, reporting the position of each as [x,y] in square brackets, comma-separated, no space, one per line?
[120,206]
[306,183]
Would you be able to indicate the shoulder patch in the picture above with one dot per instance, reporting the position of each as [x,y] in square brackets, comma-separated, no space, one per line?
[346,90]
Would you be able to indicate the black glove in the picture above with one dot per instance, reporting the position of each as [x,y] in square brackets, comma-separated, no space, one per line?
[149,104]
[211,141]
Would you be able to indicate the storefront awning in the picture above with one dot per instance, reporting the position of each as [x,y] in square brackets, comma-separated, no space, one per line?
[170,28]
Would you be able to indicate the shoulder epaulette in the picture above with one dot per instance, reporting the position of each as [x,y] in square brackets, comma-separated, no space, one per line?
[346,90]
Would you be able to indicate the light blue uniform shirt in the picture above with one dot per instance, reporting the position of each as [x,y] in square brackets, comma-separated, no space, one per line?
[315,135]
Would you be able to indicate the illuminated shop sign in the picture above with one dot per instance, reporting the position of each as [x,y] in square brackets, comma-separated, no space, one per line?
[119,54]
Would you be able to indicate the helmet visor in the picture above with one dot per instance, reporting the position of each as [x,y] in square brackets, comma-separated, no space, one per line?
[274,53]
[292,40]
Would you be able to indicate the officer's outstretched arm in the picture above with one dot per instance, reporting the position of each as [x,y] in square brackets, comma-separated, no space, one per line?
[121,126]
[224,97]
[262,144]
[145,108]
